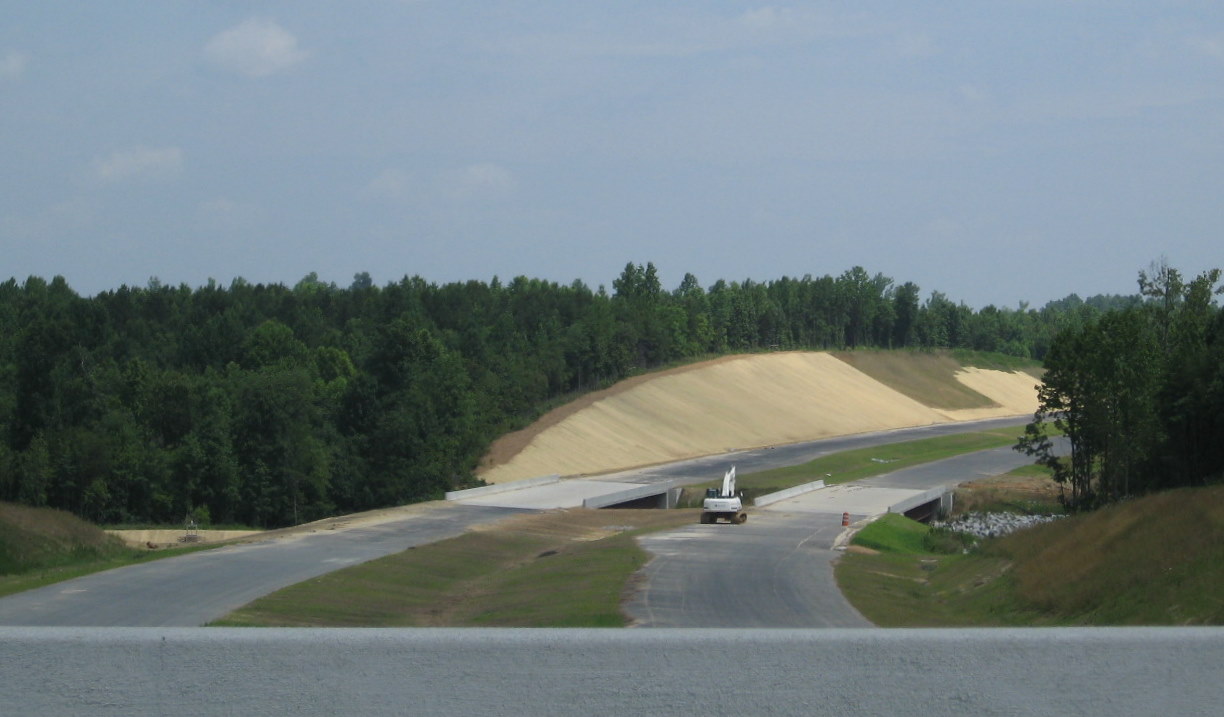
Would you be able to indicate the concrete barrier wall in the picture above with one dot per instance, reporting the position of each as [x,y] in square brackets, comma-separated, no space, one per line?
[769,498]
[501,487]
[917,500]
[624,496]
[210,671]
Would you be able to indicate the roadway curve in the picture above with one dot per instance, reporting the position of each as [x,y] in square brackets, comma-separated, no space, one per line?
[198,588]
[700,470]
[201,587]
[776,570]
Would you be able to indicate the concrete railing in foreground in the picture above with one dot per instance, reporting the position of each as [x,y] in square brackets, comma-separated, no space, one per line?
[770,498]
[501,487]
[473,671]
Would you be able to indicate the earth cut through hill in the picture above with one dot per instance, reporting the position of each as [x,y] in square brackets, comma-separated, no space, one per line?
[754,400]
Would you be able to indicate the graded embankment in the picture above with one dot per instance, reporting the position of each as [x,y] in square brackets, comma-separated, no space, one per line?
[734,403]
[164,538]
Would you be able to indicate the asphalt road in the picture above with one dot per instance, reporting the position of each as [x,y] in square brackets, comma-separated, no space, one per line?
[773,571]
[572,492]
[198,588]
[776,570]
[698,470]
[201,587]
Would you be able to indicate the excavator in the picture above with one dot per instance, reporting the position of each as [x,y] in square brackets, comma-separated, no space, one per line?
[725,504]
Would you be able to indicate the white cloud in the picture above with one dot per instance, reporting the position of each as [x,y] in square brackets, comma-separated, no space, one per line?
[255,48]
[51,222]
[973,93]
[391,184]
[479,179]
[762,18]
[1212,46]
[916,45]
[687,35]
[221,207]
[12,65]
[230,215]
[138,162]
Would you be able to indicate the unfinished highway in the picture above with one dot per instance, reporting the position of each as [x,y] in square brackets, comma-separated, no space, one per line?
[198,588]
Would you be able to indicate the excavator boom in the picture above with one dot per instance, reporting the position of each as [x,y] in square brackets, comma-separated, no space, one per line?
[728,486]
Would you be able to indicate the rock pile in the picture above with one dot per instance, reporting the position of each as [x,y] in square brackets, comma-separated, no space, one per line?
[993,525]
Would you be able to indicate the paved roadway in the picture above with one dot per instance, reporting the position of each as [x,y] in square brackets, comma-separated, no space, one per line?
[776,570]
[100,672]
[699,470]
[773,571]
[570,493]
[200,587]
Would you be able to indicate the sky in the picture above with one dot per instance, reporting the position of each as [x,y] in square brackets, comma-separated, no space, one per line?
[997,152]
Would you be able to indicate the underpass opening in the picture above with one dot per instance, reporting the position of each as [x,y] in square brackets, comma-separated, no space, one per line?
[650,502]
[645,497]
[935,509]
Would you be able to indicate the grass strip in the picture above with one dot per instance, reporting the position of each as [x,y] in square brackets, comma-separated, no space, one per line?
[893,577]
[1157,560]
[562,569]
[893,533]
[41,546]
[70,567]
[569,568]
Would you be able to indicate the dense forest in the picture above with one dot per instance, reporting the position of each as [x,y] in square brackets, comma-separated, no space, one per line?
[1139,392]
[268,405]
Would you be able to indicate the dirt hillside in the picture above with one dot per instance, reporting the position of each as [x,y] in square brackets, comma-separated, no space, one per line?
[142,538]
[734,403]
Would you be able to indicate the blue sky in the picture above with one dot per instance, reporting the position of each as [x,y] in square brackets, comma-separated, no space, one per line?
[995,151]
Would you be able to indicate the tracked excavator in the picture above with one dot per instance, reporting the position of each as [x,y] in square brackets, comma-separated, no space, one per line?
[725,504]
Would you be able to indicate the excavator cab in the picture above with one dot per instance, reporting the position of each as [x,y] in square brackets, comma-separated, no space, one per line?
[723,503]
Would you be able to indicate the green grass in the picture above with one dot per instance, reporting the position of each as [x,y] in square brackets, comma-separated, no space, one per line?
[565,569]
[907,584]
[79,566]
[997,361]
[929,377]
[178,526]
[1157,560]
[893,533]
[861,463]
[41,546]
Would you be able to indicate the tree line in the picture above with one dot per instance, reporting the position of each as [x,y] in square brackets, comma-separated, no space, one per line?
[267,405]
[1139,394]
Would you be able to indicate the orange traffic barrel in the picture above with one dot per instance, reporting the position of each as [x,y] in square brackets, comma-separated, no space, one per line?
[845,519]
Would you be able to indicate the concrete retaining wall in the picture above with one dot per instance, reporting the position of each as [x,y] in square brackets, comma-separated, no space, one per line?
[501,487]
[917,500]
[788,493]
[624,496]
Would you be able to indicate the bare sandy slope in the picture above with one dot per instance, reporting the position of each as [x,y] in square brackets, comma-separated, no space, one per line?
[170,538]
[141,538]
[735,403]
